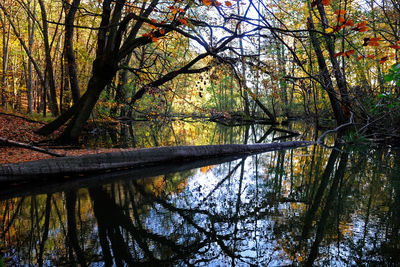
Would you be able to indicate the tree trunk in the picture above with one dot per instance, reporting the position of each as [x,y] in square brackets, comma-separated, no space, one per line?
[132,159]
[103,74]
[325,76]
[6,39]
[29,80]
[243,65]
[49,76]
[80,111]
[69,49]
[339,75]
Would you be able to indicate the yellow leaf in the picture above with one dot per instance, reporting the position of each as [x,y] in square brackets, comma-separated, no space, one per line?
[328,30]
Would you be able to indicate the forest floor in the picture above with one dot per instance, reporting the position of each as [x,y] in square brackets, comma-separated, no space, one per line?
[18,128]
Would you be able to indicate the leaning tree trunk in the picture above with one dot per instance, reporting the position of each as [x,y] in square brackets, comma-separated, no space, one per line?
[80,111]
[96,85]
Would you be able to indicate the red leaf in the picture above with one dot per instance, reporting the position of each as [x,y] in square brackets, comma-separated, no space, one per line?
[349,23]
[375,39]
[363,29]
[362,24]
[183,21]
[338,28]
[340,12]
[325,2]
[395,46]
[373,43]
[350,52]
[228,4]
[383,59]
[339,54]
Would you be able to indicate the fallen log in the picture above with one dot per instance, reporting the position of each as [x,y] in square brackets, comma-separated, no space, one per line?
[49,186]
[97,163]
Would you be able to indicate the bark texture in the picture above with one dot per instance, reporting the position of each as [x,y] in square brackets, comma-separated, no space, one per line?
[130,159]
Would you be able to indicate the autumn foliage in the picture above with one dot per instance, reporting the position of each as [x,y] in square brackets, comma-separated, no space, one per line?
[255,58]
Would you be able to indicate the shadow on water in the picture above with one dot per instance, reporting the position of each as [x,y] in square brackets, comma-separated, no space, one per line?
[307,206]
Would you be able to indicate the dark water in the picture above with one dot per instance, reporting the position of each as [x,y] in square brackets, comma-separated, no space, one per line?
[308,206]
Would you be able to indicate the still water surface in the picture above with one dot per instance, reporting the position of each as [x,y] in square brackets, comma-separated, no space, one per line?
[307,206]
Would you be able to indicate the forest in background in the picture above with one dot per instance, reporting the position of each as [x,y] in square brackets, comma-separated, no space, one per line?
[226,60]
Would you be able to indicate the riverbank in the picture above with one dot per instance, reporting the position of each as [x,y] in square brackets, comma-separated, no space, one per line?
[18,128]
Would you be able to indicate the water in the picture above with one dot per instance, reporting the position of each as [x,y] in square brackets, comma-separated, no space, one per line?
[307,206]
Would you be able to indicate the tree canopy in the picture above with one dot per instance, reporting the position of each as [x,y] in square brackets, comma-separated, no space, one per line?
[255,58]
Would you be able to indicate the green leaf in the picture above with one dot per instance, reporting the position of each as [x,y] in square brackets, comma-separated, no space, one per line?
[388,77]
[382,96]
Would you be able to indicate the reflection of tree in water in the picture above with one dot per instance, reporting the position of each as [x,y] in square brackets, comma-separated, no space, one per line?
[278,208]
[175,235]
[172,133]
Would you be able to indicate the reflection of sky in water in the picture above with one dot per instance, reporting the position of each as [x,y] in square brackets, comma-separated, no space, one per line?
[270,222]
[256,242]
[259,213]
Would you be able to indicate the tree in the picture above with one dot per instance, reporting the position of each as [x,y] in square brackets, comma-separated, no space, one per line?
[123,30]
[46,77]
